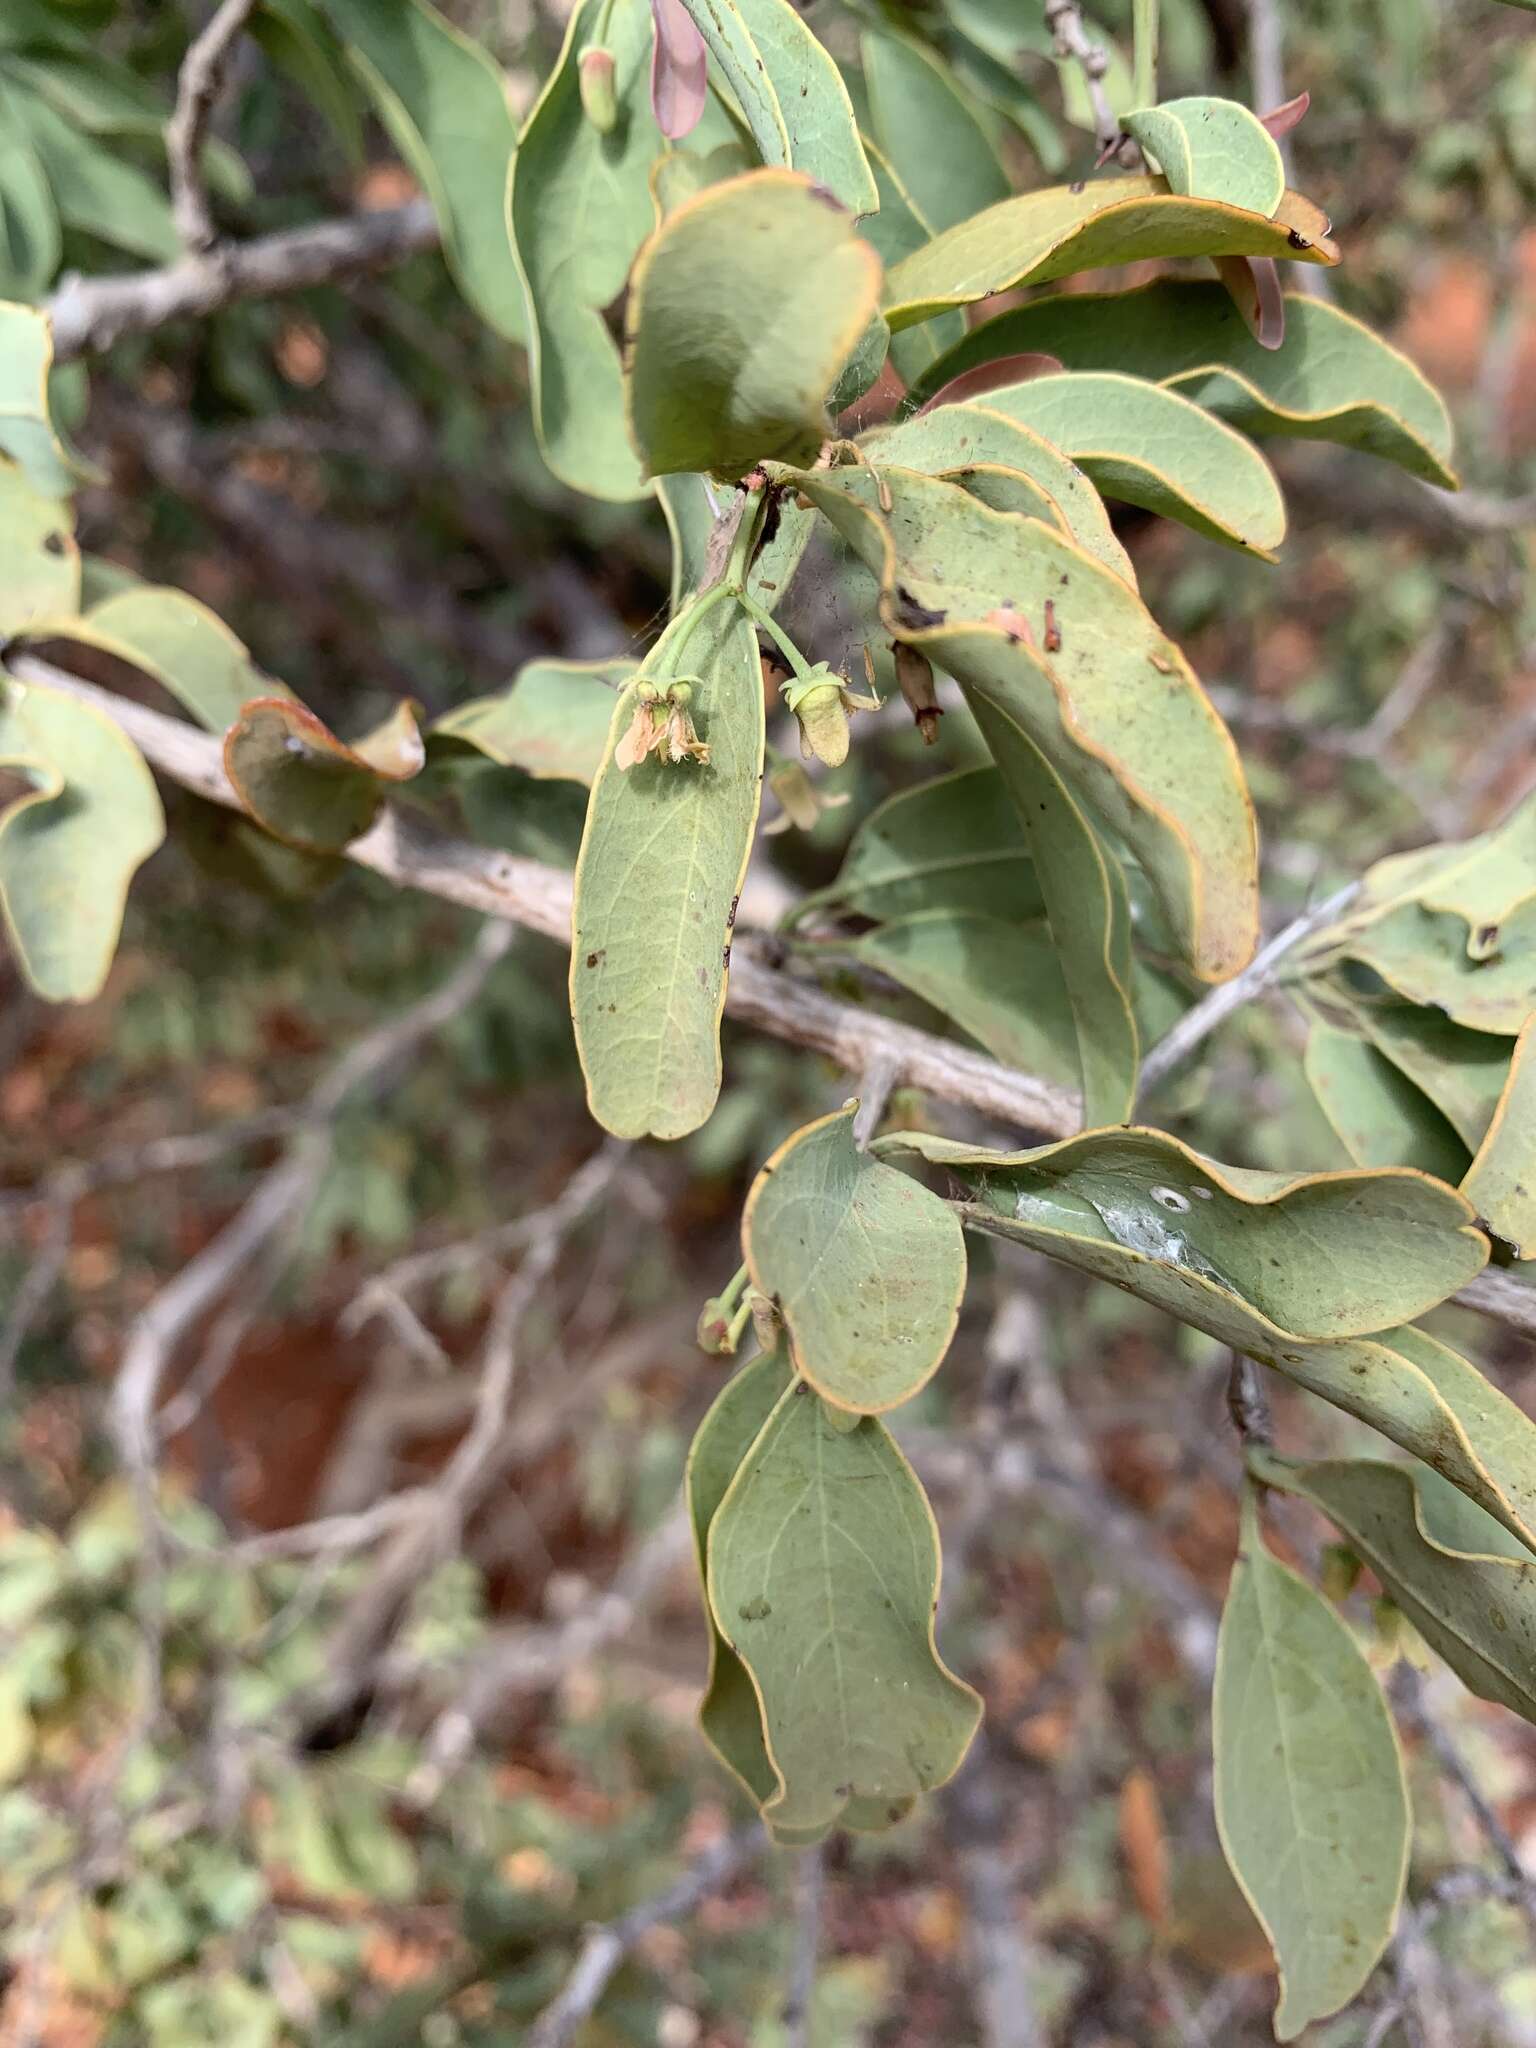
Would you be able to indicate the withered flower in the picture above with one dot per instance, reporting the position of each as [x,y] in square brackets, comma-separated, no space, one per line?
[661,726]
[914,675]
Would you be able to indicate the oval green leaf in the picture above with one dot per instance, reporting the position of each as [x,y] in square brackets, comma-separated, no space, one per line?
[1311,1798]
[1212,149]
[929,130]
[866,1268]
[27,433]
[823,1579]
[551,721]
[1501,1184]
[1381,1118]
[662,860]
[743,308]
[41,573]
[302,784]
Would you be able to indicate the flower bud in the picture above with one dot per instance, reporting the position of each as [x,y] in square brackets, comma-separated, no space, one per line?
[599,97]
[821,702]
[714,1329]
[914,677]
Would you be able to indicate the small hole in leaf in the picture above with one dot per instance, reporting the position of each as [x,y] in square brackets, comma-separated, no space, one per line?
[1170,1198]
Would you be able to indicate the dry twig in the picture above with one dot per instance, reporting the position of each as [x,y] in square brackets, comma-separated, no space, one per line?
[199,85]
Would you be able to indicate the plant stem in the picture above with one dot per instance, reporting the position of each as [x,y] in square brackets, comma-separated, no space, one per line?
[766,622]
[1144,16]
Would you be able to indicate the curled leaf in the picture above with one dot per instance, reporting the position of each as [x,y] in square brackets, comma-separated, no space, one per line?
[305,786]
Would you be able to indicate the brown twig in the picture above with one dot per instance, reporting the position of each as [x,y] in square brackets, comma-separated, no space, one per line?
[1064,18]
[89,314]
[199,85]
[606,1947]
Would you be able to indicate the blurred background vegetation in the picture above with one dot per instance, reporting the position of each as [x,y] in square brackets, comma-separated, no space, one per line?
[284,1848]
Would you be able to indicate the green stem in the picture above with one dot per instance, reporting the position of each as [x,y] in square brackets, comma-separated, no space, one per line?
[727,1298]
[665,658]
[1144,16]
[765,620]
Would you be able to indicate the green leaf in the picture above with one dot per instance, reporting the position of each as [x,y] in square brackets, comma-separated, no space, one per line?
[1001,983]
[96,192]
[29,218]
[1114,709]
[71,845]
[929,130]
[1007,466]
[1061,229]
[1151,447]
[954,843]
[185,647]
[1381,1118]
[41,573]
[302,784]
[1462,1072]
[1086,902]
[1477,1610]
[743,308]
[729,1717]
[551,721]
[823,1578]
[791,94]
[1311,1797]
[580,207]
[865,1266]
[1212,149]
[690,521]
[895,231]
[662,860]
[444,101]
[1501,1185]
[1426,956]
[294,36]
[1331,380]
[27,433]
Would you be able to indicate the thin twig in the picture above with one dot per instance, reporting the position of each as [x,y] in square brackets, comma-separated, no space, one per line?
[199,86]
[76,1177]
[89,314]
[875,1085]
[800,1995]
[1064,18]
[1196,1025]
[606,1947]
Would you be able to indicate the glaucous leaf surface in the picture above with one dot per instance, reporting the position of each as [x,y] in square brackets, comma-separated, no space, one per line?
[728,1713]
[823,1579]
[444,102]
[1331,380]
[1462,1072]
[70,845]
[27,434]
[791,94]
[551,721]
[1311,1797]
[39,558]
[743,308]
[1212,149]
[1428,957]
[1476,1610]
[1059,230]
[178,642]
[979,447]
[1149,446]
[580,207]
[930,130]
[895,231]
[1381,1118]
[1113,707]
[1501,1184]
[661,863]
[865,1267]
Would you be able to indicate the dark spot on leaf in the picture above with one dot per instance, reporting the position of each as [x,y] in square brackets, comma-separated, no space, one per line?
[54,543]
[755,1610]
[913,614]
[594,958]
[1298,241]
[828,198]
[1487,934]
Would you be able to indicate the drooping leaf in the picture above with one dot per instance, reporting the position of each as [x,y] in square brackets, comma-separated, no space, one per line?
[1212,149]
[729,1717]
[986,452]
[865,1267]
[95,190]
[1501,1185]
[1413,1389]
[823,1578]
[662,860]
[302,784]
[1427,956]
[580,207]
[27,434]
[1462,1072]
[1152,447]
[1333,380]
[1381,1118]
[1311,1797]
[29,218]
[743,308]
[1113,707]
[444,101]
[1086,903]
[791,94]
[1059,230]
[923,122]
[954,843]
[70,846]
[551,721]
[39,560]
[999,982]
[1477,1610]
[185,647]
